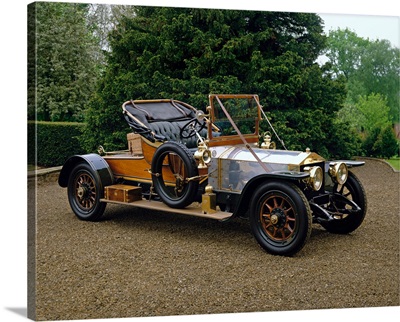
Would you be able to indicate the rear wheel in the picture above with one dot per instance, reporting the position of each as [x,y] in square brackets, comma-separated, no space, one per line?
[280,218]
[85,192]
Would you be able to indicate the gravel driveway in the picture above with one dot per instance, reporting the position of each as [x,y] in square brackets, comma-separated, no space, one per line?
[142,263]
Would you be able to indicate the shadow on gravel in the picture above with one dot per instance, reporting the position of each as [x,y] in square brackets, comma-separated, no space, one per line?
[161,220]
[236,231]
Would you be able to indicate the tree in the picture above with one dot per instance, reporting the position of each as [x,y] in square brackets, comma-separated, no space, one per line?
[186,54]
[345,51]
[62,71]
[368,66]
[381,142]
[368,113]
[370,119]
[101,19]
[380,73]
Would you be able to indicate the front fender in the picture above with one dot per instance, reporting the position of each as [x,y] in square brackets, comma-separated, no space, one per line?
[349,163]
[251,186]
[96,162]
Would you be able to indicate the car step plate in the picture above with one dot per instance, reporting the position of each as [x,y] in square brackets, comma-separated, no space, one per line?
[160,206]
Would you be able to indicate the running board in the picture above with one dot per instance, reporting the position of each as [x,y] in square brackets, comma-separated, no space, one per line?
[160,206]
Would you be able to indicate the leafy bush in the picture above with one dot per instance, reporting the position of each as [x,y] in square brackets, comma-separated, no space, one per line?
[53,142]
[381,143]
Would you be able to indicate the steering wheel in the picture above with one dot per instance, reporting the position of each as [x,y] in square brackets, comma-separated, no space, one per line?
[191,127]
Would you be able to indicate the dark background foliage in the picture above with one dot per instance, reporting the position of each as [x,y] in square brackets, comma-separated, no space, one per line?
[57,142]
[186,54]
[85,60]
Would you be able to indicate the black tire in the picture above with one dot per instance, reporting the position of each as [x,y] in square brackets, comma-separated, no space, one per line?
[84,193]
[353,190]
[280,218]
[176,159]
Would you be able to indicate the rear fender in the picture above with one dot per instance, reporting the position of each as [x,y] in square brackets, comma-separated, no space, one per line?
[251,186]
[96,162]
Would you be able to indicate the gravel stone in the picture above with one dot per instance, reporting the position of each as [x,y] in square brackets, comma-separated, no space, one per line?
[138,263]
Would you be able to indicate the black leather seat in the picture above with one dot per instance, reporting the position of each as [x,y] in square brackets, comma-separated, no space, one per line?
[161,120]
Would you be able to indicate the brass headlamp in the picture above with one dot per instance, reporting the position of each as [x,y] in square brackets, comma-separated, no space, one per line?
[339,172]
[203,154]
[316,177]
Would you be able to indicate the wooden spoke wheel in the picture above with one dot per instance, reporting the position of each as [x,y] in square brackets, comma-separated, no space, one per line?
[280,218]
[85,192]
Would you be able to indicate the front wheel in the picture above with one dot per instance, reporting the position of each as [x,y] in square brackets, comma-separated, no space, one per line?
[85,192]
[345,221]
[280,218]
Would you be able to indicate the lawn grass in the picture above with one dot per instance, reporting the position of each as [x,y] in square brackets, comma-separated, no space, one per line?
[394,162]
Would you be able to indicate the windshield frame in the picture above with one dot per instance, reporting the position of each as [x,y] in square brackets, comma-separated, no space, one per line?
[217,138]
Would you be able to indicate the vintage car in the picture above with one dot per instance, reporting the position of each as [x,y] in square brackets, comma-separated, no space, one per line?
[215,164]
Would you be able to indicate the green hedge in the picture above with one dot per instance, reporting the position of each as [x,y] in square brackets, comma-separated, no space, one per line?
[53,142]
